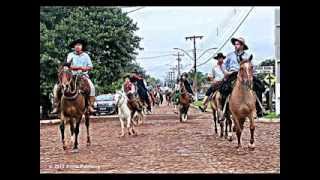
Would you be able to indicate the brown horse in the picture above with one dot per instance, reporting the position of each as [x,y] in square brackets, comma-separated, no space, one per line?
[184,103]
[242,103]
[73,107]
[216,107]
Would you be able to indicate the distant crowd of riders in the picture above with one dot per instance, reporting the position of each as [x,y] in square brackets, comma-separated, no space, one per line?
[224,73]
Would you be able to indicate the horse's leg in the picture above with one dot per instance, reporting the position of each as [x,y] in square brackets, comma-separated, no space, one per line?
[229,125]
[129,125]
[252,128]
[87,122]
[71,123]
[238,130]
[214,120]
[122,127]
[76,131]
[62,125]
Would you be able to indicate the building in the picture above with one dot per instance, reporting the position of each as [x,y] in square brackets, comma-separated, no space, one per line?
[277,55]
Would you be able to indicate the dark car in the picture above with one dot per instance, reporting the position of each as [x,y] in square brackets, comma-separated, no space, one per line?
[105,104]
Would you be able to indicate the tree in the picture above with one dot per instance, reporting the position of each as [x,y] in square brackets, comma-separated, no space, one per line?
[112,43]
[201,78]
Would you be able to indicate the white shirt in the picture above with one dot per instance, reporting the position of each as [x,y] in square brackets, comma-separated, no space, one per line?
[218,73]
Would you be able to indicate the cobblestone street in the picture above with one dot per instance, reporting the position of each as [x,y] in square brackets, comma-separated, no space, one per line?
[163,145]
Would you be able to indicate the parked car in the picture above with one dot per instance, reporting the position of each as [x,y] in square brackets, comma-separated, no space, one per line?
[105,104]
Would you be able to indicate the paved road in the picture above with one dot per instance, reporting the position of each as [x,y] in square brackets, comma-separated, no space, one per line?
[164,145]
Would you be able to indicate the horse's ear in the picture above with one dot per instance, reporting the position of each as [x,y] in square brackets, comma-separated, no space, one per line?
[250,58]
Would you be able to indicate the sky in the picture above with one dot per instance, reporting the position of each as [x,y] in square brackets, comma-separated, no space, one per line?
[165,28]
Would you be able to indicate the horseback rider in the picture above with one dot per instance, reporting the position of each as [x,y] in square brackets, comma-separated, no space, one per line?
[129,89]
[137,78]
[232,66]
[184,79]
[77,61]
[217,73]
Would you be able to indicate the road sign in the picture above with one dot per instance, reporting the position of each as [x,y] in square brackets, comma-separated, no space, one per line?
[271,77]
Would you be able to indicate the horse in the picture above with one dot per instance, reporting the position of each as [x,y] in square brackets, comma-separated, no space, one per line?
[217,112]
[73,107]
[184,103]
[156,95]
[168,96]
[125,114]
[242,102]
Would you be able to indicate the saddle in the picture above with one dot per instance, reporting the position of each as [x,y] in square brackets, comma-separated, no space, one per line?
[133,103]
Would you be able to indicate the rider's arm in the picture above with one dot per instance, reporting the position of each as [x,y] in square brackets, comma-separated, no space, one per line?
[225,66]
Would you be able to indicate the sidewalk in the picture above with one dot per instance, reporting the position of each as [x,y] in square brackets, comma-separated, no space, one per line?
[262,119]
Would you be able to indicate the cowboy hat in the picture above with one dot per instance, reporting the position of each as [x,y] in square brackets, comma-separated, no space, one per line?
[219,55]
[80,41]
[241,40]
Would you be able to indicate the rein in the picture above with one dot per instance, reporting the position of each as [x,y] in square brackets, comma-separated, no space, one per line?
[120,104]
[71,97]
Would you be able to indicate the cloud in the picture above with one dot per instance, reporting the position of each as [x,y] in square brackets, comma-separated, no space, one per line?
[164,28]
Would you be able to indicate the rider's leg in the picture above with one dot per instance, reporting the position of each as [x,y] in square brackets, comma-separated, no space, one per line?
[92,96]
[56,98]
[258,88]
[206,99]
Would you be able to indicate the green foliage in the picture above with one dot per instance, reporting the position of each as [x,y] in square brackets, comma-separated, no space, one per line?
[109,32]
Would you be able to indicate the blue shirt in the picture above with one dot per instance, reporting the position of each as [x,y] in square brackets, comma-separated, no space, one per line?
[232,61]
[81,60]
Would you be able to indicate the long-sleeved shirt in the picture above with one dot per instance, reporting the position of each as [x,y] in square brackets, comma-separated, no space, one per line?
[232,62]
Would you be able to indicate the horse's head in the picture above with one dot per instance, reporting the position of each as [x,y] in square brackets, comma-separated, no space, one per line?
[246,72]
[65,79]
[118,97]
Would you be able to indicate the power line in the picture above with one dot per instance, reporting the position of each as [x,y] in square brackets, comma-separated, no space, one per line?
[134,10]
[153,57]
[229,37]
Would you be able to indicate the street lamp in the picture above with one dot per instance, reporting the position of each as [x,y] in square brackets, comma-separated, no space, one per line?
[205,52]
[184,52]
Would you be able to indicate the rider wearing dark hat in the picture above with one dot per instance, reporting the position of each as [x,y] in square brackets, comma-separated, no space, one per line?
[184,79]
[217,74]
[137,78]
[80,63]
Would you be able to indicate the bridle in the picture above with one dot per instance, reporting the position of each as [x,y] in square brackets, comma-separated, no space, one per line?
[248,83]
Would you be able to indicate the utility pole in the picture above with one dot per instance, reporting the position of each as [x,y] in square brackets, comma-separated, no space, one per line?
[178,59]
[195,62]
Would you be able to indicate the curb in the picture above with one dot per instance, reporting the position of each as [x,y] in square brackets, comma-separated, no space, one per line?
[57,121]
[263,120]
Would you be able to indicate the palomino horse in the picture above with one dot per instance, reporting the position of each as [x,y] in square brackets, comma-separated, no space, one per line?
[73,107]
[184,103]
[242,103]
[216,107]
[125,114]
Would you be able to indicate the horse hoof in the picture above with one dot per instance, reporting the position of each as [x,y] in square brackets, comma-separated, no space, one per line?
[75,150]
[251,146]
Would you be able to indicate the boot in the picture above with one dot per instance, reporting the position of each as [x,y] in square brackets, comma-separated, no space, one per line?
[205,104]
[91,104]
